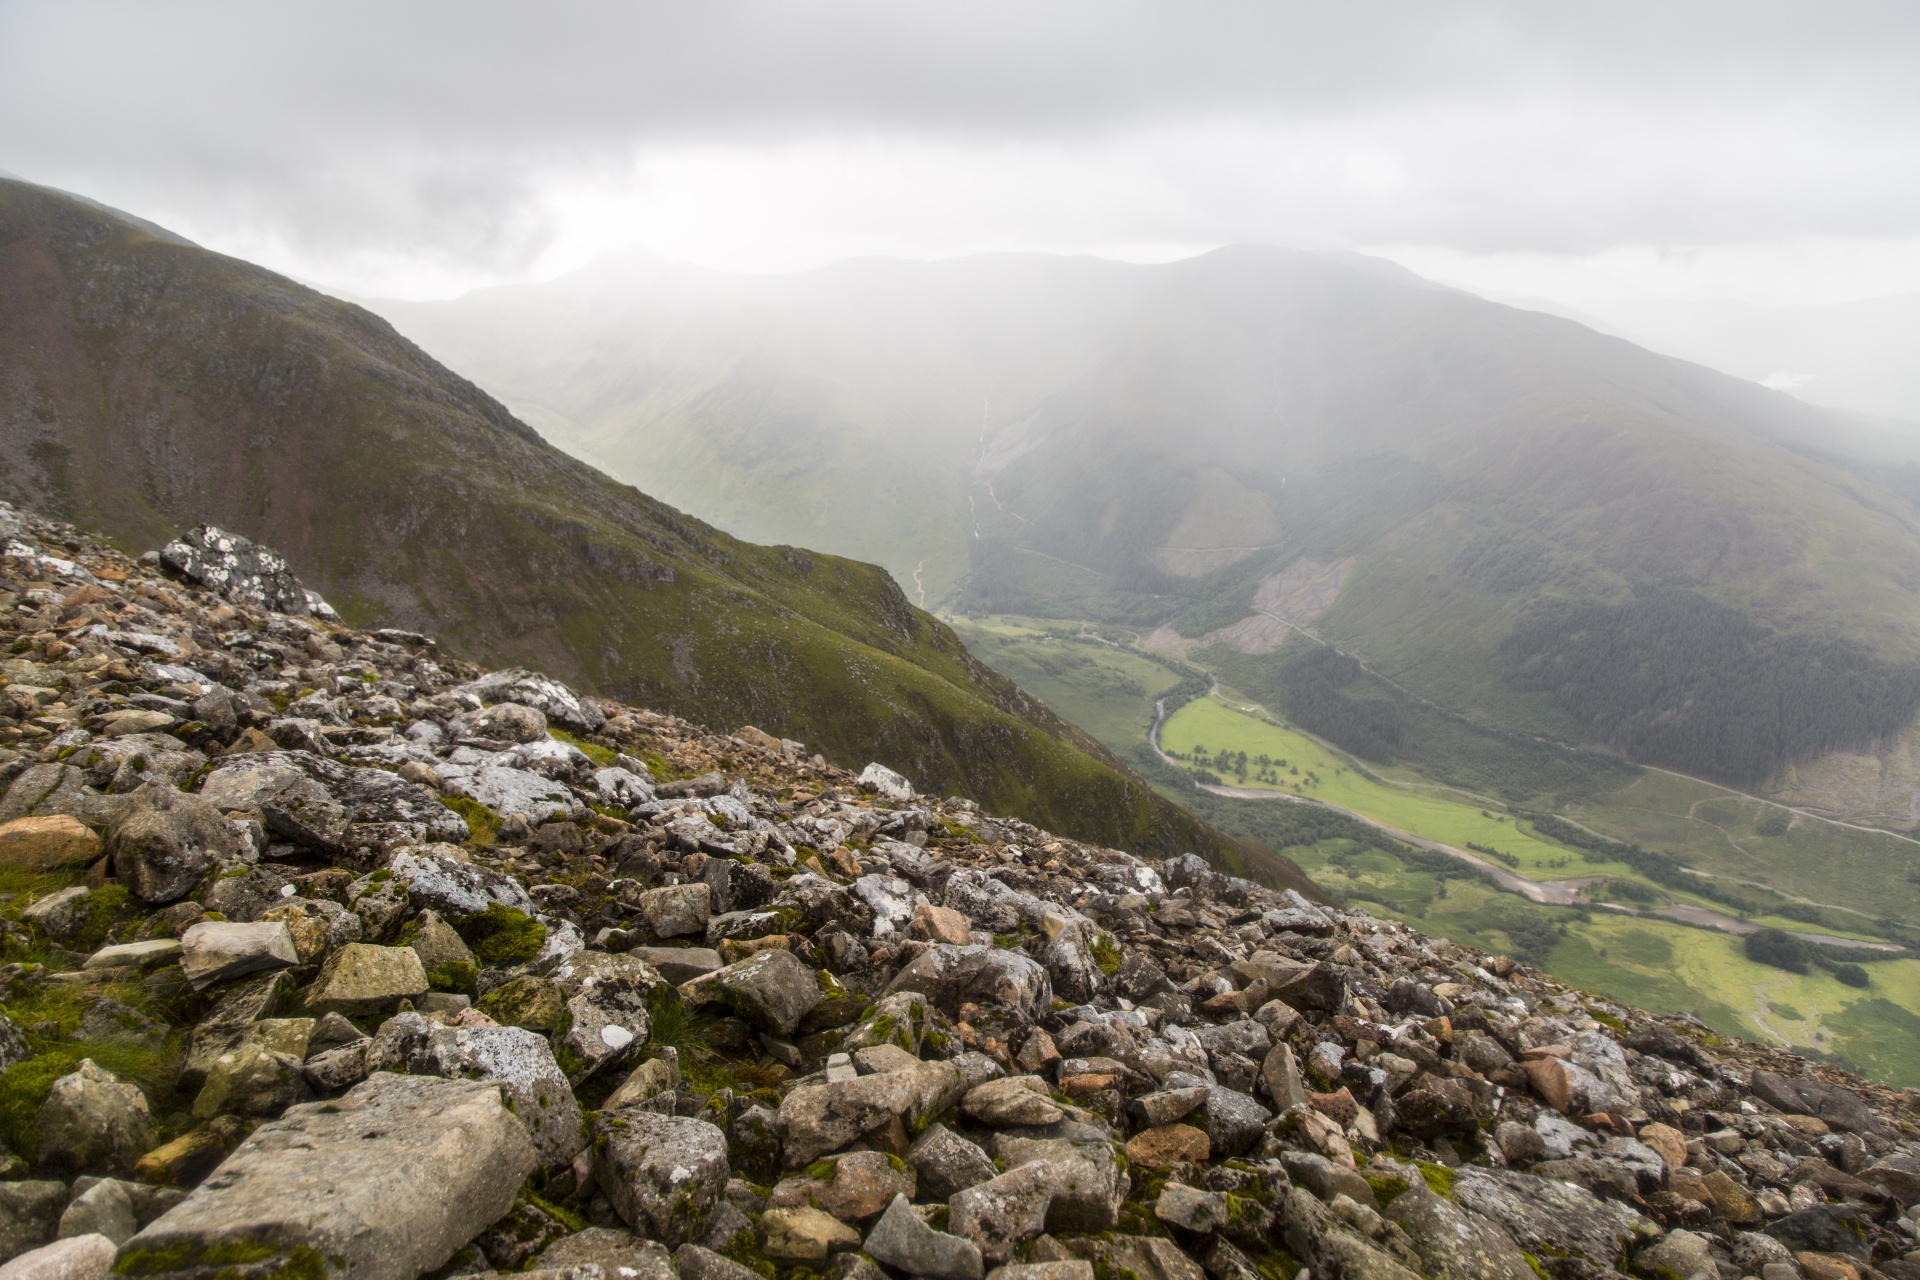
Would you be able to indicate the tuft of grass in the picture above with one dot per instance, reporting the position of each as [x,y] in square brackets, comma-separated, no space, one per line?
[483,824]
[601,756]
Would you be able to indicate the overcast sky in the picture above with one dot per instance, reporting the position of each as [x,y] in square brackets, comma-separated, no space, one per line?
[1748,150]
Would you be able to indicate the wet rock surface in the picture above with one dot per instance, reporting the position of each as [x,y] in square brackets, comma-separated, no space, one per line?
[342,957]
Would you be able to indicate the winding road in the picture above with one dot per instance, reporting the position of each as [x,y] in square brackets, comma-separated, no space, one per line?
[1559,893]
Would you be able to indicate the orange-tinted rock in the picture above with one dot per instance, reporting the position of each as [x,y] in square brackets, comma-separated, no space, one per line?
[1168,1144]
[45,844]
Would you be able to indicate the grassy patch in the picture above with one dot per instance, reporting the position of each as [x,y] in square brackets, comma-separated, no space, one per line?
[502,935]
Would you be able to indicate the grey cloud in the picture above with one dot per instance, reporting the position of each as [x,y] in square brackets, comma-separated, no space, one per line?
[441,129]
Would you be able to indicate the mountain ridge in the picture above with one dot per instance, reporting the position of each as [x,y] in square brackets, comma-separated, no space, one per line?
[147,386]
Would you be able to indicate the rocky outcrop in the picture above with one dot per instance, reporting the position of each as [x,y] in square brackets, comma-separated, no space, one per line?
[717,1000]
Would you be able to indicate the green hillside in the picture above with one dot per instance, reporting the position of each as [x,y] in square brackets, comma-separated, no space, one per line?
[147,385]
[1169,447]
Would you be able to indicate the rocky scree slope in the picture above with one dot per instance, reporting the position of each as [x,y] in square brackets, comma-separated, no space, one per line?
[327,955]
[147,385]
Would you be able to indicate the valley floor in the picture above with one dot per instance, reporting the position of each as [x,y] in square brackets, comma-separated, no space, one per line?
[1505,885]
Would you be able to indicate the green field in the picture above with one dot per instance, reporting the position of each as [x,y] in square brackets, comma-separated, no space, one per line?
[1323,774]
[1092,677]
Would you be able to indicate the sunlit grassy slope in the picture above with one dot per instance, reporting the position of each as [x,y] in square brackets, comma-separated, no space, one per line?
[1318,772]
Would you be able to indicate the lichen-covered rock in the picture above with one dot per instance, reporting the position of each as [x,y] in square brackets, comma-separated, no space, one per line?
[663,1174]
[947,1163]
[608,999]
[902,1241]
[91,1122]
[520,1061]
[772,990]
[361,979]
[165,841]
[385,1182]
[1005,981]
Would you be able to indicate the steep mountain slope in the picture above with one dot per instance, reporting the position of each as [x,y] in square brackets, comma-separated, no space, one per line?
[1254,440]
[146,385]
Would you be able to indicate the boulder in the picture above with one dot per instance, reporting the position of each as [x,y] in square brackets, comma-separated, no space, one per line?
[290,793]
[886,783]
[165,841]
[816,1119]
[1088,1187]
[947,1163]
[437,945]
[617,1253]
[679,965]
[679,910]
[81,1257]
[241,1005]
[361,979]
[92,1122]
[456,888]
[215,951]
[1542,1215]
[251,1079]
[1455,1243]
[520,1061]
[544,694]
[47,844]
[608,1000]
[104,1209]
[1202,1212]
[1680,1253]
[860,1187]
[1000,1213]
[805,1234]
[662,1174]
[61,914]
[29,1213]
[902,1241]
[1007,982]
[386,1182]
[1168,1144]
[772,990]
[1012,1102]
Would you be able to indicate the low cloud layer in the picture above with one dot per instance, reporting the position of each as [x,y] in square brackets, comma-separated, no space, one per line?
[431,147]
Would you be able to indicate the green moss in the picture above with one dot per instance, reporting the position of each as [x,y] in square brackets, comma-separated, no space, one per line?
[1438,1177]
[455,975]
[483,824]
[1534,1262]
[502,935]
[821,1170]
[1387,1187]
[1106,953]
[601,756]
[302,1263]
[567,1218]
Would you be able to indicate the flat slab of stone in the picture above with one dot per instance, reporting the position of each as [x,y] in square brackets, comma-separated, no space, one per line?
[384,1183]
[148,954]
[220,951]
[361,978]
[679,964]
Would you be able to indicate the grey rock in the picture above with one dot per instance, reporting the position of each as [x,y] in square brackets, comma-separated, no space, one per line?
[1825,1228]
[899,1239]
[91,1121]
[1010,1103]
[1088,1187]
[1837,1105]
[618,1253]
[104,1209]
[773,990]
[60,914]
[85,1257]
[29,1213]
[698,1263]
[520,1061]
[44,790]
[216,951]
[388,1181]
[289,791]
[241,570]
[608,999]
[456,888]
[1455,1243]
[1006,981]
[1152,1258]
[678,910]
[437,945]
[543,693]
[242,1005]
[1538,1212]
[1202,1212]
[1681,1253]
[816,1119]
[947,1163]
[1169,1105]
[165,841]
[663,1174]
[1280,1077]
[679,964]
[1245,1037]
[1001,1212]
[1326,1179]
[361,978]
[1233,1121]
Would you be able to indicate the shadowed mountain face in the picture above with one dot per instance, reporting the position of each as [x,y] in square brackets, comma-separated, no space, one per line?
[147,385]
[1221,447]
